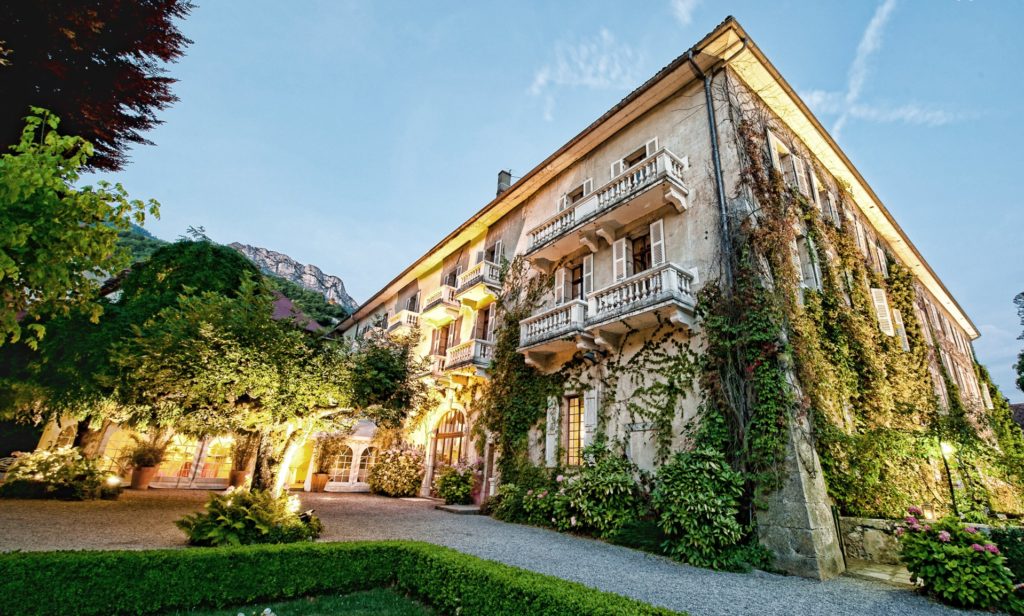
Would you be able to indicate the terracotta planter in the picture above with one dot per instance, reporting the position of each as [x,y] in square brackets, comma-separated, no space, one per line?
[142,476]
[319,481]
[237,479]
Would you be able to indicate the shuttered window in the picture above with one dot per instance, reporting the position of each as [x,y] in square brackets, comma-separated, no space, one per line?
[560,285]
[901,330]
[619,259]
[881,303]
[588,275]
[657,243]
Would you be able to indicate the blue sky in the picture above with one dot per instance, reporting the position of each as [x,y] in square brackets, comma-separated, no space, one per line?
[353,135]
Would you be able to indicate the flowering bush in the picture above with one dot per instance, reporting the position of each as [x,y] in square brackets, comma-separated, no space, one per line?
[957,564]
[58,473]
[397,472]
[239,517]
[602,496]
[1011,543]
[697,498]
[455,484]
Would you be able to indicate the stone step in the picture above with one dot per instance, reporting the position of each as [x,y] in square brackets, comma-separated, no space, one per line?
[460,509]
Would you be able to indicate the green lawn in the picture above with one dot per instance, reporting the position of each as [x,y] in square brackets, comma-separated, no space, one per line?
[366,603]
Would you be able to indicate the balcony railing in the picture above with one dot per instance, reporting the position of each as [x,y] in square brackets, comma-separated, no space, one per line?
[478,352]
[557,322]
[484,271]
[640,291]
[663,164]
[442,295]
[434,366]
[403,319]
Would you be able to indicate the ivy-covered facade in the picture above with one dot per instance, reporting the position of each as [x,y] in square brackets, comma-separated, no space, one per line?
[703,266]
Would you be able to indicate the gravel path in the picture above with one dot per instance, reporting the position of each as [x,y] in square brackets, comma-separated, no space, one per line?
[144,520]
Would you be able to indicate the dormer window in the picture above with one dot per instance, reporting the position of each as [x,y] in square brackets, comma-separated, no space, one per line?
[576,195]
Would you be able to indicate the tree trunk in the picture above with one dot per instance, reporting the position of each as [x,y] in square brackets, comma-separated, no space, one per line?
[264,472]
[88,440]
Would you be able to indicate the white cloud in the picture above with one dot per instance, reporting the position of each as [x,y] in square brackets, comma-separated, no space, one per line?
[600,63]
[683,10]
[847,104]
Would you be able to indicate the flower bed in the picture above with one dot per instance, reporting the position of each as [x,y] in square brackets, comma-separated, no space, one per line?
[145,582]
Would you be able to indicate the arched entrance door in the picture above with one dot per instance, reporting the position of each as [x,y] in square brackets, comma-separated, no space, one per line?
[449,443]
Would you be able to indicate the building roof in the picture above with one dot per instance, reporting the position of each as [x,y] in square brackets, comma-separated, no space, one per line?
[727,40]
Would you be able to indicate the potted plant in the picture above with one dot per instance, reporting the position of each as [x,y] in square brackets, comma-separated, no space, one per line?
[243,452]
[328,450]
[145,459]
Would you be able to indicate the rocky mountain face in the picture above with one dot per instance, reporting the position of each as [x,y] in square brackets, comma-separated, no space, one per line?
[308,276]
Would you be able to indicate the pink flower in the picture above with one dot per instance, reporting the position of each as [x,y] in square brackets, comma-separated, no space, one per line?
[944,536]
[914,510]
[977,547]
[899,531]
[971,529]
[560,478]
[927,527]
[991,547]
[911,520]
[572,520]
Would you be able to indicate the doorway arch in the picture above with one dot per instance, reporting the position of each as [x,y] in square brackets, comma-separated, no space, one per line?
[450,439]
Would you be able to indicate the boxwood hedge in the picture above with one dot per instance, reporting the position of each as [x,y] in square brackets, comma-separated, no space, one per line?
[144,582]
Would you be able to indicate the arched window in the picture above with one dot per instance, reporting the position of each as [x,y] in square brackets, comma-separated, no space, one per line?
[341,470]
[66,438]
[366,462]
[449,441]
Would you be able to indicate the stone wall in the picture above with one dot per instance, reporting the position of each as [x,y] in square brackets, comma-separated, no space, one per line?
[875,540]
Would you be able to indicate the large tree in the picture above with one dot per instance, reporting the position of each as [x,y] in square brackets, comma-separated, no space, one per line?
[57,241]
[98,64]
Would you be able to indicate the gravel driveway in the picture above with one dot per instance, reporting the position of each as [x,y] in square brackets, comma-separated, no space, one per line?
[144,520]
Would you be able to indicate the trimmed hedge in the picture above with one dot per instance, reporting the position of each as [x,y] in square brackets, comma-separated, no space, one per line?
[144,582]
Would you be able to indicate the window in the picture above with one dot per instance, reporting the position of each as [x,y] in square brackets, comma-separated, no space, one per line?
[634,158]
[452,278]
[413,303]
[483,323]
[573,430]
[439,340]
[366,462]
[808,269]
[494,254]
[641,246]
[341,468]
[449,439]
[576,282]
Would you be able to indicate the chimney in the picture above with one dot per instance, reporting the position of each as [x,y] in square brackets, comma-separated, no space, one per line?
[504,180]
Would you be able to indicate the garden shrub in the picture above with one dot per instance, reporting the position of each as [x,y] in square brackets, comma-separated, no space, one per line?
[241,517]
[155,581]
[957,564]
[697,499]
[397,472]
[58,473]
[602,496]
[1011,543]
[455,484]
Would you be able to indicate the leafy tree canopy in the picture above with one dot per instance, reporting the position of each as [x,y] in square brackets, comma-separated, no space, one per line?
[98,64]
[57,241]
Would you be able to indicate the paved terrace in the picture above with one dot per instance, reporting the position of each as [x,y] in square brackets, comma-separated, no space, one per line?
[140,520]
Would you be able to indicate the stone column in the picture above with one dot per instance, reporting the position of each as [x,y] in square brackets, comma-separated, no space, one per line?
[797,525]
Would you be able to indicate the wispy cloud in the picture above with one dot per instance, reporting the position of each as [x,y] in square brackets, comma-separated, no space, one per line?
[847,104]
[600,63]
[683,10]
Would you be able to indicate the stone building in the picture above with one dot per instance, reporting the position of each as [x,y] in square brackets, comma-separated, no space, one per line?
[630,219]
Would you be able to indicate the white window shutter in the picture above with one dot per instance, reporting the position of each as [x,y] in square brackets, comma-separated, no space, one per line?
[479,256]
[560,285]
[619,259]
[986,396]
[563,202]
[588,186]
[773,149]
[590,402]
[801,177]
[657,242]
[883,263]
[816,192]
[616,170]
[491,318]
[901,330]
[499,252]
[551,432]
[881,302]
[588,275]
[651,146]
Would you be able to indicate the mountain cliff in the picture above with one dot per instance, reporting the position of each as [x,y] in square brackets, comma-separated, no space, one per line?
[309,276]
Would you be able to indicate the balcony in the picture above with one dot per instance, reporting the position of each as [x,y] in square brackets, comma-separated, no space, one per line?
[643,188]
[479,285]
[434,366]
[472,353]
[554,330]
[440,307]
[660,293]
[403,322]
